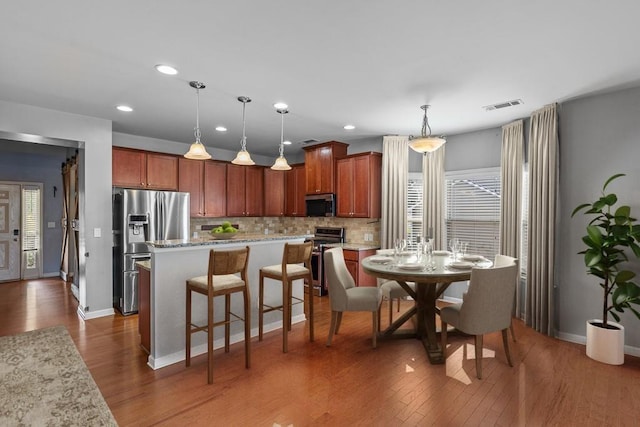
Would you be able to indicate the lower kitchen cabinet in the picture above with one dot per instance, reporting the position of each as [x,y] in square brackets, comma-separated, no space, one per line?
[144,301]
[352,258]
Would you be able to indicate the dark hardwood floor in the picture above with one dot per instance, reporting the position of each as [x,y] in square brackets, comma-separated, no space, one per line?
[552,382]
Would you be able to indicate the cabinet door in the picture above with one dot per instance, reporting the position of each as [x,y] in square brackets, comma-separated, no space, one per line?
[352,266]
[312,171]
[325,162]
[162,172]
[295,191]
[235,190]
[190,173]
[360,193]
[254,191]
[128,168]
[215,189]
[345,188]
[274,192]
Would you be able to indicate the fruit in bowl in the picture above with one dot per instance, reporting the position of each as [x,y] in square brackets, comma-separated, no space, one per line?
[224,231]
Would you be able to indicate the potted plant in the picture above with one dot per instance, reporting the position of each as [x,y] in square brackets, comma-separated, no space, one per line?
[608,235]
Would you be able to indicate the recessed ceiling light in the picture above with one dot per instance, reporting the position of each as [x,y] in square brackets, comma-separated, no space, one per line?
[166,69]
[124,108]
[286,142]
[349,127]
[221,128]
[280,106]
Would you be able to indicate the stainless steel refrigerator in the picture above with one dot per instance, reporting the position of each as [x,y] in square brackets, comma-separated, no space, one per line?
[140,216]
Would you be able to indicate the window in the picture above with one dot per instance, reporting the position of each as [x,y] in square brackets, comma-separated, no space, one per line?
[31,232]
[472,212]
[414,209]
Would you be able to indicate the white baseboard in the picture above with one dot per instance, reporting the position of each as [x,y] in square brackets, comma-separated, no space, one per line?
[88,315]
[179,356]
[580,339]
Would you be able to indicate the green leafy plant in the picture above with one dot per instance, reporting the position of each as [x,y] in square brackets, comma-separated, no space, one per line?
[608,234]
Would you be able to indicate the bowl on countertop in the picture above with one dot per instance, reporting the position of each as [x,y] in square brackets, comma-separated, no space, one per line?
[223,236]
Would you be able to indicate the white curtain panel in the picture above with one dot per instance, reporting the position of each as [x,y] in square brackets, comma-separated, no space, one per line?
[433,197]
[511,165]
[543,173]
[395,164]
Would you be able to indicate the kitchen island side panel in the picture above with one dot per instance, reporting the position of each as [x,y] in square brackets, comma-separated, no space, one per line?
[172,266]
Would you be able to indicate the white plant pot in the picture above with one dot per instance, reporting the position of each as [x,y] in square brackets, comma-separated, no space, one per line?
[605,345]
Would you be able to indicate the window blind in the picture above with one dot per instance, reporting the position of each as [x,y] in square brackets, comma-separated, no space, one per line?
[472,212]
[414,209]
[31,224]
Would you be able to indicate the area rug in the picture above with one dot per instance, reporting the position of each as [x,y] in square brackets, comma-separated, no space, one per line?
[44,382]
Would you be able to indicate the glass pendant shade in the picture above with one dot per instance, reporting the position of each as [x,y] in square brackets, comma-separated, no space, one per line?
[426,143]
[243,158]
[197,151]
[281,164]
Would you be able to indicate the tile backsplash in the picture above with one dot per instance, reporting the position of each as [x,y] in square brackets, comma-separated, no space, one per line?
[358,230]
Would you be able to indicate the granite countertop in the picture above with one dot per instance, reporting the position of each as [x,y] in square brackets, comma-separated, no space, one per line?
[240,238]
[353,246]
[144,264]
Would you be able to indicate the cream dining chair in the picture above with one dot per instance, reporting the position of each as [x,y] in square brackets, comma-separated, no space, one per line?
[485,308]
[501,261]
[344,295]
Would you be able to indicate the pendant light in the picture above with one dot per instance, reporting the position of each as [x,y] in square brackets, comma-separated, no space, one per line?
[426,143]
[281,163]
[197,151]
[243,157]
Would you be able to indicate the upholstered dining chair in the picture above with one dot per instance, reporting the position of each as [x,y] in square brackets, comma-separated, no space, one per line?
[221,279]
[485,308]
[344,295]
[501,261]
[286,272]
[391,290]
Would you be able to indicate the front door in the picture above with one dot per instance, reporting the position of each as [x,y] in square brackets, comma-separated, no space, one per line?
[9,232]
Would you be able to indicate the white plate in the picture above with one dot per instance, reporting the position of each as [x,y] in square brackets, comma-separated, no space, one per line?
[473,258]
[380,259]
[441,253]
[461,265]
[411,266]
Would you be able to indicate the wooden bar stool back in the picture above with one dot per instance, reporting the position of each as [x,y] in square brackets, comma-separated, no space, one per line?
[286,272]
[221,279]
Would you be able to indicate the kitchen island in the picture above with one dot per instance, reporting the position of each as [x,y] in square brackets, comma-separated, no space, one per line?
[175,261]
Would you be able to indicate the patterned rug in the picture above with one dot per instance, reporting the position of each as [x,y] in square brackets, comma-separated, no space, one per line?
[44,381]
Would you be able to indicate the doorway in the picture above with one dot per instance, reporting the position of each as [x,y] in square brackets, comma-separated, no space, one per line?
[9,232]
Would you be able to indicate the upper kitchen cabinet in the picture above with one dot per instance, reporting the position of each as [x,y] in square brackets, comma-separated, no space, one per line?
[320,166]
[359,185]
[206,182]
[295,185]
[274,192]
[142,169]
[245,187]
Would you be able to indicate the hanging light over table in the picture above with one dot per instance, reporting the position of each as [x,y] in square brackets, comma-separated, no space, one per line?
[197,151]
[243,157]
[426,143]
[281,163]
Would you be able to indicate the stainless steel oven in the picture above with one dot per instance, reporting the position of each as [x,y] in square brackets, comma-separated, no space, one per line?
[322,237]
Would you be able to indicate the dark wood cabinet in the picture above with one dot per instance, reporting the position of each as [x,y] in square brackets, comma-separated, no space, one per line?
[245,190]
[320,166]
[295,185]
[352,259]
[358,186]
[274,192]
[205,181]
[141,169]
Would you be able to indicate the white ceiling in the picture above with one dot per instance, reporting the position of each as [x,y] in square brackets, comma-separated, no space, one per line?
[371,63]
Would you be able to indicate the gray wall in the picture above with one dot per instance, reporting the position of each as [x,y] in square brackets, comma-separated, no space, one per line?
[93,137]
[25,162]
[599,136]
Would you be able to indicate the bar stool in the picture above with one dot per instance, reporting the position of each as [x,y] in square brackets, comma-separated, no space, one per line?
[221,279]
[287,272]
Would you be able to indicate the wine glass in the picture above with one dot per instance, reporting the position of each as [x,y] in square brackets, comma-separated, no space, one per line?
[454,244]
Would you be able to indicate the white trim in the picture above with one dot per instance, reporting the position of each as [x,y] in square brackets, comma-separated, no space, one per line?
[581,339]
[475,173]
[52,274]
[95,314]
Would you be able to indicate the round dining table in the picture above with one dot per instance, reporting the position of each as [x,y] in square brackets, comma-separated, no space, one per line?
[431,277]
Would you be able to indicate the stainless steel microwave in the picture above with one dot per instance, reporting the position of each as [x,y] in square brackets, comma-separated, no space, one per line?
[321,204]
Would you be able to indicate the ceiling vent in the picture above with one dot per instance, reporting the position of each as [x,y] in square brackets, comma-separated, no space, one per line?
[310,141]
[503,105]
